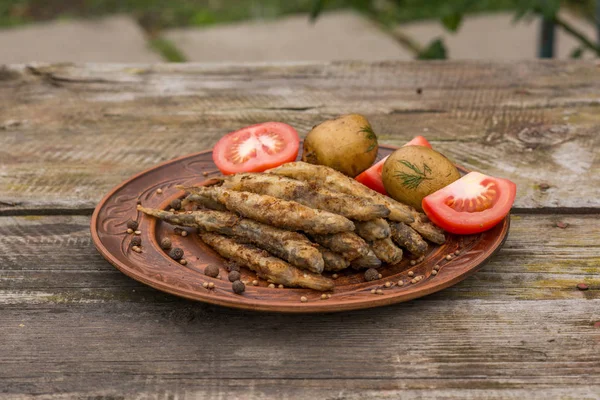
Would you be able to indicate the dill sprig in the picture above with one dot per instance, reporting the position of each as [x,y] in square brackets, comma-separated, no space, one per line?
[370,136]
[413,180]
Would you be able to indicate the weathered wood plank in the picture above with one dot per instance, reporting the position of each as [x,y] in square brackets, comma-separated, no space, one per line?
[70,133]
[70,323]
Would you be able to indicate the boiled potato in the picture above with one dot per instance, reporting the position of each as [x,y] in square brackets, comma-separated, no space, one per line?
[414,172]
[347,144]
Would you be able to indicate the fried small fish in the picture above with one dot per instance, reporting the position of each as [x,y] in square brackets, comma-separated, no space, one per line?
[331,179]
[374,229]
[290,246]
[203,201]
[333,262]
[273,211]
[349,206]
[428,230]
[387,251]
[264,264]
[348,244]
[407,237]
[369,260]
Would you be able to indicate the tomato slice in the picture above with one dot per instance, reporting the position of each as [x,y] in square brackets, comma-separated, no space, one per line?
[472,204]
[419,141]
[256,148]
[372,176]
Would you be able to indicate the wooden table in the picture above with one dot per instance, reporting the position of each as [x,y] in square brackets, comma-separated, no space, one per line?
[73,326]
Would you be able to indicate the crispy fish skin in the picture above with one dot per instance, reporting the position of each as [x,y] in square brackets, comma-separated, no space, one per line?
[334,180]
[290,246]
[204,202]
[272,211]
[374,229]
[264,264]
[348,244]
[333,262]
[387,251]
[349,206]
[369,260]
[428,230]
[407,237]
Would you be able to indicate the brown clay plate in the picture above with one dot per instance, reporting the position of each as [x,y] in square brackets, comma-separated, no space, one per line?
[153,266]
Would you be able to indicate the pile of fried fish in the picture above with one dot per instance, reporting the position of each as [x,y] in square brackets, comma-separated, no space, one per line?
[291,223]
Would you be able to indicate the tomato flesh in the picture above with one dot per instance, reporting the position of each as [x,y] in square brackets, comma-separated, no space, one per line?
[256,148]
[472,204]
[372,176]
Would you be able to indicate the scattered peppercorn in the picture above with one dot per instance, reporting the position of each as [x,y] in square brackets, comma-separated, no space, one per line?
[373,291]
[159,191]
[280,286]
[255,283]
[136,249]
[328,296]
[136,241]
[137,232]
[172,210]
[271,285]
[388,284]
[211,285]
[413,262]
[178,231]
[176,204]
[205,285]
[183,261]
[129,230]
[165,243]
[379,276]
[238,287]
[323,296]
[410,273]
[457,252]
[434,272]
[211,270]
[303,299]
[400,283]
[234,276]
[335,276]
[436,267]
[582,286]
[133,225]
[205,173]
[371,274]
[413,281]
[379,291]
[449,257]
[176,253]
[184,233]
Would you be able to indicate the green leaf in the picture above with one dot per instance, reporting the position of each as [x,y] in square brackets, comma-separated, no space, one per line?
[436,50]
[316,9]
[577,52]
[452,21]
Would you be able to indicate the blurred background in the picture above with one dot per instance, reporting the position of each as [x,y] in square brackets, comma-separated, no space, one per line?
[295,30]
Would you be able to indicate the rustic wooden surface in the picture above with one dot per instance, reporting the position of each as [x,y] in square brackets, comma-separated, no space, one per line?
[74,327]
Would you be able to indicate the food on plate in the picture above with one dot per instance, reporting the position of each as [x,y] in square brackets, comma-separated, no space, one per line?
[346,144]
[408,238]
[256,148]
[472,204]
[264,264]
[387,251]
[369,260]
[333,262]
[413,172]
[333,180]
[290,246]
[302,192]
[374,229]
[204,202]
[348,244]
[371,178]
[273,211]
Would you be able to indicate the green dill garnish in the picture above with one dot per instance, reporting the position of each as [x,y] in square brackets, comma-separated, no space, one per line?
[370,136]
[413,180]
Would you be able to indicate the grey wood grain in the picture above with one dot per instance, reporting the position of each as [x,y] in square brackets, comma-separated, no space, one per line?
[72,325]
[71,132]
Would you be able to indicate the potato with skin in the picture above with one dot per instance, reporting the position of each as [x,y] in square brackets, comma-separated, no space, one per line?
[414,172]
[347,144]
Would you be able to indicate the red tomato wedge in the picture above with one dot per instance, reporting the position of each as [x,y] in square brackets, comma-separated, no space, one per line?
[472,204]
[372,176]
[256,148]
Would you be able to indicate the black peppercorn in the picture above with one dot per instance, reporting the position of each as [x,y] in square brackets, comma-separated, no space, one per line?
[165,243]
[238,287]
[371,274]
[136,241]
[176,204]
[131,224]
[176,253]
[212,271]
[234,276]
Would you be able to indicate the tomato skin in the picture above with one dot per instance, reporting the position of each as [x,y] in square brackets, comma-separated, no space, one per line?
[372,176]
[419,141]
[282,135]
[462,222]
